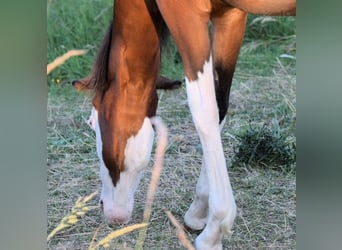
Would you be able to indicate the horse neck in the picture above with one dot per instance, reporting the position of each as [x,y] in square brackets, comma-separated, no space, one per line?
[135,38]
[133,64]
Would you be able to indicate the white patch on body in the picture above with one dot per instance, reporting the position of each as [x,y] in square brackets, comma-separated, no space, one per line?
[118,201]
[222,208]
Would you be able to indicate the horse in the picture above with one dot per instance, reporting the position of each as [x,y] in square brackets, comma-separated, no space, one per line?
[124,80]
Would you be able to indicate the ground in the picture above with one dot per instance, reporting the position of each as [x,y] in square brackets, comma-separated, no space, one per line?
[265,197]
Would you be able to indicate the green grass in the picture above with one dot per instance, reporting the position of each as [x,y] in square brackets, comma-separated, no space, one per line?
[263,91]
[266,146]
[75,25]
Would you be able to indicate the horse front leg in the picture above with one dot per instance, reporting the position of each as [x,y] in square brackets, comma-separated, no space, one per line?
[228,32]
[214,206]
[197,215]
[221,203]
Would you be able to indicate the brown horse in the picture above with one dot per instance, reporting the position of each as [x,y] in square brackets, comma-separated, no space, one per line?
[124,79]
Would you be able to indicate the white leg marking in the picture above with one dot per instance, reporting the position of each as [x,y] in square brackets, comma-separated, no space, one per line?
[197,215]
[118,201]
[222,208]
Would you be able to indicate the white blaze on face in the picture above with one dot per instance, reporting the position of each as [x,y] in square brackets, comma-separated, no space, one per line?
[118,201]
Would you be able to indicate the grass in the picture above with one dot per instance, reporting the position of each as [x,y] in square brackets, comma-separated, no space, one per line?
[263,91]
[265,197]
[266,146]
[75,25]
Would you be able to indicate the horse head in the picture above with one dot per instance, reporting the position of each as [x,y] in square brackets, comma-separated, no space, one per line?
[124,139]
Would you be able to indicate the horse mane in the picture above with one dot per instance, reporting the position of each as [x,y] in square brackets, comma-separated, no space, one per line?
[99,80]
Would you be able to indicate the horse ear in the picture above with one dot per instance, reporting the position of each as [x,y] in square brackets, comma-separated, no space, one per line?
[82,84]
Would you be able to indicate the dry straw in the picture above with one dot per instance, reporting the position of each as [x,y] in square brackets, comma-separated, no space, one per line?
[180,232]
[157,169]
[79,209]
[60,60]
[105,242]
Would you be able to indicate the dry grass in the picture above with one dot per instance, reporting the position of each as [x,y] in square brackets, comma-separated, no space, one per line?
[180,232]
[60,60]
[265,198]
